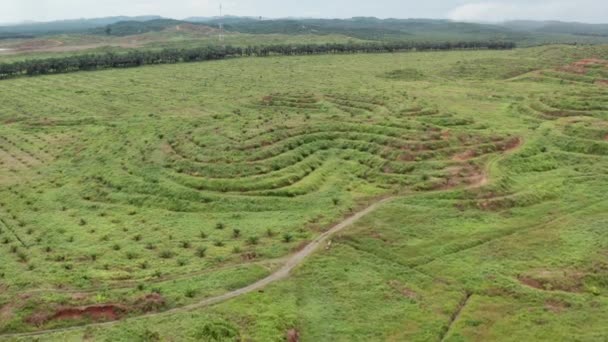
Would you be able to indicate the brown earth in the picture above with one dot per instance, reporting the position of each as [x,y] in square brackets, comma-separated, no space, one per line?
[202,29]
[106,312]
[531,283]
[558,280]
[97,312]
[150,303]
[582,67]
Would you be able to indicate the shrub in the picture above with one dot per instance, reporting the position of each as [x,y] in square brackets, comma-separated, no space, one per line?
[22,256]
[236,233]
[253,240]
[167,254]
[220,225]
[201,251]
[131,255]
[190,293]
[287,237]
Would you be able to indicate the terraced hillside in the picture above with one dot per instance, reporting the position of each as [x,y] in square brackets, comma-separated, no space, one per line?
[140,197]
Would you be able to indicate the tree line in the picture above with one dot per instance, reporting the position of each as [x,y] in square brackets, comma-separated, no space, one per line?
[88,62]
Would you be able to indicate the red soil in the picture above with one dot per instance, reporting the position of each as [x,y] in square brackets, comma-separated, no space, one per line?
[582,67]
[97,312]
[106,312]
[590,61]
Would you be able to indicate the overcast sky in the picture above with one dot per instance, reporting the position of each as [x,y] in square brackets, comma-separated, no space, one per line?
[595,11]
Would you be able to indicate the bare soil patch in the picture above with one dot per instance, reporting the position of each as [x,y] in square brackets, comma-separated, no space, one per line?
[150,303]
[98,312]
[556,306]
[582,67]
[464,156]
[558,280]
[293,335]
[106,312]
[37,44]
[191,28]
[403,290]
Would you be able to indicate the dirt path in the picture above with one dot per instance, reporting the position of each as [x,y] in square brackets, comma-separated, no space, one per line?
[282,273]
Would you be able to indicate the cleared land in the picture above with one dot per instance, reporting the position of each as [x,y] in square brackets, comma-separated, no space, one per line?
[132,192]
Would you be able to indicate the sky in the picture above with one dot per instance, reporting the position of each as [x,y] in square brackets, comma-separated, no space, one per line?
[593,11]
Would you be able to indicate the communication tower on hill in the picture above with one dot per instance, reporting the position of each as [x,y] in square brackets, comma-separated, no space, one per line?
[221,35]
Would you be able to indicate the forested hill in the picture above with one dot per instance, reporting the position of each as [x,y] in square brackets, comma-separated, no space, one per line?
[365,28]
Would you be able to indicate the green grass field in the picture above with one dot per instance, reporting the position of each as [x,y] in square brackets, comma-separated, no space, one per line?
[128,193]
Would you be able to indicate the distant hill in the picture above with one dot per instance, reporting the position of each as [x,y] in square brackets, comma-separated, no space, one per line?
[524,33]
[133,27]
[66,26]
[559,27]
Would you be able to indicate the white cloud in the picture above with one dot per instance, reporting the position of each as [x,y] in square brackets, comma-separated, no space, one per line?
[472,10]
[492,11]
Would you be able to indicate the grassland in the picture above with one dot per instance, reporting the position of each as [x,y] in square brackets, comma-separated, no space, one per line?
[126,193]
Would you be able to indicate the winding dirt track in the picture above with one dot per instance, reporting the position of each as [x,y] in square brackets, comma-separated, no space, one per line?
[277,275]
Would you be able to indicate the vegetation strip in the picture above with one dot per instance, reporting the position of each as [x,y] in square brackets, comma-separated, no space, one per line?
[171,56]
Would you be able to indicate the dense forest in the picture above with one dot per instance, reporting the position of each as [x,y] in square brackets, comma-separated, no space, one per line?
[170,56]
